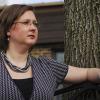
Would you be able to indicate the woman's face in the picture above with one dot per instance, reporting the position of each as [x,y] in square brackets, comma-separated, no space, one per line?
[24,30]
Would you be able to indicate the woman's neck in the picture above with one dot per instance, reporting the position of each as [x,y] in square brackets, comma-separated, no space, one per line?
[18,48]
[16,54]
[16,57]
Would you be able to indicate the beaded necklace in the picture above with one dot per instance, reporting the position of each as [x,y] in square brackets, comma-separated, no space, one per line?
[15,68]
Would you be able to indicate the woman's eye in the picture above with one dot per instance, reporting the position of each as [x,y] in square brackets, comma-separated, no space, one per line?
[26,23]
[35,24]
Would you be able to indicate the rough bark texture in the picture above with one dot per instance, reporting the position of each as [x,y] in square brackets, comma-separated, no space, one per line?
[82,34]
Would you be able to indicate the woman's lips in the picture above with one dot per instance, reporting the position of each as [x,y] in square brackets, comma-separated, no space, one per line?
[31,36]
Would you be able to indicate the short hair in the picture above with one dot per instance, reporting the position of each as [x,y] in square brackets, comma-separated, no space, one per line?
[7,17]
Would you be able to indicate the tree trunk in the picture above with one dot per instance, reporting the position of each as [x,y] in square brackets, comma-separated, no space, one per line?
[82,33]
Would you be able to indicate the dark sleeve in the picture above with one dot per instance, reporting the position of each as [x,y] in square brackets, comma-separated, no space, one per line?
[59,70]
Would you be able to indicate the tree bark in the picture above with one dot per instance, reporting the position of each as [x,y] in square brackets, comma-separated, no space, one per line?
[82,33]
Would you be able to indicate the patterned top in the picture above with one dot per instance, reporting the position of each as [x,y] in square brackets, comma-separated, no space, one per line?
[47,75]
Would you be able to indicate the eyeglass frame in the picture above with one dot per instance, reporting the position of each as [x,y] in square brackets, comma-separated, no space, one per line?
[28,23]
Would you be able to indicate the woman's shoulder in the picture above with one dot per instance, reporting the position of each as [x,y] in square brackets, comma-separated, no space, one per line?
[47,60]
[38,57]
[43,59]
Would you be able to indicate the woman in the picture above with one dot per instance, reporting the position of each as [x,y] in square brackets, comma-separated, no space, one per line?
[23,77]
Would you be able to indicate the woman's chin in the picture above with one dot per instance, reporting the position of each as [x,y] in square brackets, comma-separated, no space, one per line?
[31,43]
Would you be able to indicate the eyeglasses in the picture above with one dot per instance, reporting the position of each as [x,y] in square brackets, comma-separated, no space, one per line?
[28,23]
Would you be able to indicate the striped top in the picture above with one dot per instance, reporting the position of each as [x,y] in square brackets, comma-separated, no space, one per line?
[47,75]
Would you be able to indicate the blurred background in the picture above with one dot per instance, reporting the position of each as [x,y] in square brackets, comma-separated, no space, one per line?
[8,2]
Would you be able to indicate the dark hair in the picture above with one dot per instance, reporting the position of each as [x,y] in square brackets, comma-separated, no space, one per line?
[7,18]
